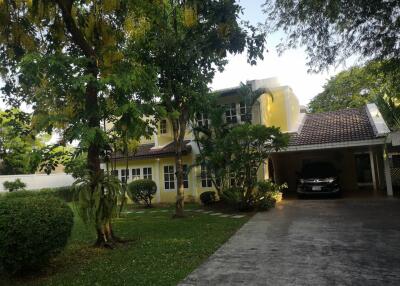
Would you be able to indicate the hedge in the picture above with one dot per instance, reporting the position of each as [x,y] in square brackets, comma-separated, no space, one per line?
[34,227]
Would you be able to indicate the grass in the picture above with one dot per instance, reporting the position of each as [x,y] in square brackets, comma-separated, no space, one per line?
[163,251]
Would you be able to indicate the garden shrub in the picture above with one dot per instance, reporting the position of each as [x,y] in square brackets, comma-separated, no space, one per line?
[16,185]
[67,194]
[234,197]
[268,194]
[142,191]
[208,198]
[34,227]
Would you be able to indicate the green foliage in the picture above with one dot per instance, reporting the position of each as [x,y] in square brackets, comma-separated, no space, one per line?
[261,199]
[189,42]
[268,194]
[235,197]
[33,228]
[67,194]
[16,185]
[142,191]
[376,82]
[77,166]
[332,31]
[97,204]
[17,143]
[208,198]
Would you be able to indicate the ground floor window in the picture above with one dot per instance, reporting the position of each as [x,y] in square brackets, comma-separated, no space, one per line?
[114,173]
[169,177]
[205,177]
[136,174]
[147,173]
[124,175]
[185,176]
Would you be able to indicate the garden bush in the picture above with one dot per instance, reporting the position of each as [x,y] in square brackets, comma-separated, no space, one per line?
[268,194]
[34,227]
[208,198]
[234,197]
[142,191]
[16,185]
[67,194]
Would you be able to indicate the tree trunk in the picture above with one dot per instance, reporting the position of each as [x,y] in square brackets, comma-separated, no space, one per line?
[180,191]
[179,128]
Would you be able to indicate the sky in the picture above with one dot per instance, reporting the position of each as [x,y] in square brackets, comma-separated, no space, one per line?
[290,68]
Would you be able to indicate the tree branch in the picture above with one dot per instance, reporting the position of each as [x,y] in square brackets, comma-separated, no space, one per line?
[77,35]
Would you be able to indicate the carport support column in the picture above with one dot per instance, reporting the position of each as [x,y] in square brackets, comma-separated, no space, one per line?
[388,176]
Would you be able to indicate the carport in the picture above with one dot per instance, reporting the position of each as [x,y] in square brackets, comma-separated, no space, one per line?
[352,140]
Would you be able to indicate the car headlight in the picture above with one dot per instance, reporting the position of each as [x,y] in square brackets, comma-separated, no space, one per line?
[331,180]
[301,181]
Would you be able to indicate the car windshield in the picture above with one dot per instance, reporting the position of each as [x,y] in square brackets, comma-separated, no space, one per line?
[318,170]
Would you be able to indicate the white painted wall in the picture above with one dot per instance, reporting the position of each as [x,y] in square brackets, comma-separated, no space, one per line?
[39,181]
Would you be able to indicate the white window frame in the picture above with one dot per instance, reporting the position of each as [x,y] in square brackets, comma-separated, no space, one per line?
[169,178]
[201,120]
[243,110]
[137,174]
[231,113]
[163,126]
[147,175]
[206,181]
[124,177]
[185,176]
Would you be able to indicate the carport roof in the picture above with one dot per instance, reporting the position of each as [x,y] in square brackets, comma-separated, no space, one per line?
[340,126]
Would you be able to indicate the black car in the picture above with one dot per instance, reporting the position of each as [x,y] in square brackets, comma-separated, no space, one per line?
[318,178]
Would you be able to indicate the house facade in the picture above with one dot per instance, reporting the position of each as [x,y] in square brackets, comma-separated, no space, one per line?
[154,158]
[352,139]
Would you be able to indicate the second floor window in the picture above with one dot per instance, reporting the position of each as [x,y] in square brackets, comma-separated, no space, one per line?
[230,113]
[124,175]
[245,112]
[163,126]
[169,177]
[136,174]
[147,173]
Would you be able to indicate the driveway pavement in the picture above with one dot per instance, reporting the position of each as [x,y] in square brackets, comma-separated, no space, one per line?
[311,242]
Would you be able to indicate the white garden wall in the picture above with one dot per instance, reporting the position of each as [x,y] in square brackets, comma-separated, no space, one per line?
[39,181]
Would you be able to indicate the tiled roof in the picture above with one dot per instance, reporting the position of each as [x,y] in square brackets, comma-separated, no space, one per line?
[335,126]
[146,151]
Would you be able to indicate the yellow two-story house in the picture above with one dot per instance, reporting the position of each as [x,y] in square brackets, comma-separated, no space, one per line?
[154,158]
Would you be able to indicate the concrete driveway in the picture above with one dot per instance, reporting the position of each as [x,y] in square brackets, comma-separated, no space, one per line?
[311,242]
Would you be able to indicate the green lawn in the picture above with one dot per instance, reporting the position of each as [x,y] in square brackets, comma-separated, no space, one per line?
[163,251]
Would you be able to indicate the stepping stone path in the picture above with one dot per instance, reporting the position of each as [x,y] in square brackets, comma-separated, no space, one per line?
[218,214]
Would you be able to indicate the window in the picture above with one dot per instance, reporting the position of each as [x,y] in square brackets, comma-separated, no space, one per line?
[185,177]
[245,112]
[169,177]
[163,126]
[202,120]
[124,175]
[230,113]
[147,173]
[136,174]
[205,178]
[114,173]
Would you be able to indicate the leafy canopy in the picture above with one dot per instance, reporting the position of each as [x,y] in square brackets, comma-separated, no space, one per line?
[360,85]
[333,30]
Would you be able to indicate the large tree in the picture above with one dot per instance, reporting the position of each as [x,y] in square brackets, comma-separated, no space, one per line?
[358,86]
[333,30]
[67,59]
[190,42]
